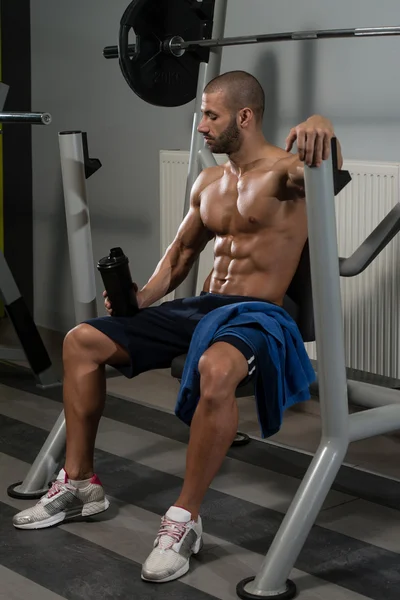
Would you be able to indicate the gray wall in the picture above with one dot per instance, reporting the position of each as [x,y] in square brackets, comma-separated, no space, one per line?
[354,82]
[72,80]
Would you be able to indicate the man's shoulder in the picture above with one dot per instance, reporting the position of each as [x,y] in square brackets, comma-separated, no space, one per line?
[210,174]
[275,160]
[281,157]
[206,177]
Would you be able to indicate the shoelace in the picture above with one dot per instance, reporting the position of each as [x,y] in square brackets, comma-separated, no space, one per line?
[55,488]
[172,530]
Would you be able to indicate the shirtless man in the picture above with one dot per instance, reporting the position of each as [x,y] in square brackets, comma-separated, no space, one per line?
[254,208]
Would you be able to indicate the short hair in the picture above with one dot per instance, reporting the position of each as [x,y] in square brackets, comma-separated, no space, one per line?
[242,89]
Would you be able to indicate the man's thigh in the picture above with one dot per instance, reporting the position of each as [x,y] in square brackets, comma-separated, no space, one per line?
[152,338]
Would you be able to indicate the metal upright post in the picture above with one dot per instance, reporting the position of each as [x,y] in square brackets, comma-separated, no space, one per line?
[271,581]
[78,225]
[36,481]
[207,72]
[206,158]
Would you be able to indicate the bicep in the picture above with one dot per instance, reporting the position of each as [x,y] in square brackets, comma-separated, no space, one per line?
[192,233]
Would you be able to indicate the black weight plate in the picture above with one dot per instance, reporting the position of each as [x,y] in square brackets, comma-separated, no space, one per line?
[155,76]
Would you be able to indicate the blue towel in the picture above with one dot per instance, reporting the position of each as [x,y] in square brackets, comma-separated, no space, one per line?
[284,371]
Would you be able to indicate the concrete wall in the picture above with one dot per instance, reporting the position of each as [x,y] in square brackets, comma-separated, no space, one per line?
[352,81]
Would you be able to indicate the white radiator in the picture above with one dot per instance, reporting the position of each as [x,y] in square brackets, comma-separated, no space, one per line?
[371,301]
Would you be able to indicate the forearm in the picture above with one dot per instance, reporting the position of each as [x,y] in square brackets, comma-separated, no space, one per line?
[172,269]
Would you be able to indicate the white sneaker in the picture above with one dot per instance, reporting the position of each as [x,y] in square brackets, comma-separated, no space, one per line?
[178,538]
[63,502]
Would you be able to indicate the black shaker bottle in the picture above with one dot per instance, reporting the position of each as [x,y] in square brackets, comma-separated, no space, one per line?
[117,280]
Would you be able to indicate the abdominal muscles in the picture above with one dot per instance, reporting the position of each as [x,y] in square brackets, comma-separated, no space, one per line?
[258,265]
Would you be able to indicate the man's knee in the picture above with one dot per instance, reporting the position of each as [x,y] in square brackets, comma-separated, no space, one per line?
[81,339]
[221,373]
[87,343]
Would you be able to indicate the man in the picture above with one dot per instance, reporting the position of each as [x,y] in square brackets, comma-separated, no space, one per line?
[254,208]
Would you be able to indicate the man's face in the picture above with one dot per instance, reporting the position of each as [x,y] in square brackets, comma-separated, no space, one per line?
[218,125]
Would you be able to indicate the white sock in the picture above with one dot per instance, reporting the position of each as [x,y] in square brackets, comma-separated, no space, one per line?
[80,484]
[178,514]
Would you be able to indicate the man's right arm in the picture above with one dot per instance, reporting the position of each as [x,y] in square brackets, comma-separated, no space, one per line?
[189,242]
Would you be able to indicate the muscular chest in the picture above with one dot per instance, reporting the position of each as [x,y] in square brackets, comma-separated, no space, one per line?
[232,205]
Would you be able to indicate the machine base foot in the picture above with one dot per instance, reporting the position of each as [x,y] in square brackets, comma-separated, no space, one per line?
[13,493]
[287,595]
[241,439]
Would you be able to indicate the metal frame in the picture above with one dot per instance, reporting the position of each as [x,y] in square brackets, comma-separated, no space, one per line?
[77,214]
[32,348]
[78,224]
[25,118]
[338,427]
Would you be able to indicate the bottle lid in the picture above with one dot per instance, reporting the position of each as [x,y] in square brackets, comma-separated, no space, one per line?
[115,258]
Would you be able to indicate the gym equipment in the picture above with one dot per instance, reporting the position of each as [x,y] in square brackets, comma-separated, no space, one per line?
[76,167]
[32,348]
[153,74]
[162,66]
[338,427]
[25,118]
[117,281]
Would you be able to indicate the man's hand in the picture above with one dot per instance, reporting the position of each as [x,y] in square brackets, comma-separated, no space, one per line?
[313,140]
[139,299]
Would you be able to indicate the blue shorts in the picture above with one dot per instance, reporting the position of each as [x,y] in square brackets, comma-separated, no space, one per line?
[157,335]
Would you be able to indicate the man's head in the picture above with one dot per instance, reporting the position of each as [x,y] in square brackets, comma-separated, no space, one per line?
[233,107]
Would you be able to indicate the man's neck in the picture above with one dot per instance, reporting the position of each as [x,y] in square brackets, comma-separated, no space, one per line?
[251,150]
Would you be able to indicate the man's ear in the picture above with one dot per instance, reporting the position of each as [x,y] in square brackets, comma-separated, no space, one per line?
[246,115]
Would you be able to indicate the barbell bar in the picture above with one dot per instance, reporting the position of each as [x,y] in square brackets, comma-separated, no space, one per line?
[25,118]
[176,45]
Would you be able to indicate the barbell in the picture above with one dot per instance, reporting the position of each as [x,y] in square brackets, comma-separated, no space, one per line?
[25,118]
[162,66]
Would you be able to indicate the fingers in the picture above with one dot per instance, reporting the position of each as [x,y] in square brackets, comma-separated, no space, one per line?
[313,142]
[310,148]
[290,140]
[319,145]
[107,303]
[301,143]
[326,147]
[313,147]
